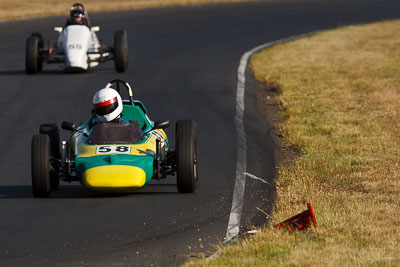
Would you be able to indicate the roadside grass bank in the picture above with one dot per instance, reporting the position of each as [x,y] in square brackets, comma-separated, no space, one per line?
[14,9]
[339,93]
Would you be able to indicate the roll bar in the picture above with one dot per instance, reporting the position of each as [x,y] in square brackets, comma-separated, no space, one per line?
[128,87]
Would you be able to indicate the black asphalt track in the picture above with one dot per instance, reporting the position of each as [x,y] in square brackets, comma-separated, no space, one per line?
[183,64]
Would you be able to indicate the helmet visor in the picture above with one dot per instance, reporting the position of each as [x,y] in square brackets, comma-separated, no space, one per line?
[106,107]
[77,14]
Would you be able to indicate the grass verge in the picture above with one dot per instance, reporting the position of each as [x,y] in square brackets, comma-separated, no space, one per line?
[13,9]
[339,93]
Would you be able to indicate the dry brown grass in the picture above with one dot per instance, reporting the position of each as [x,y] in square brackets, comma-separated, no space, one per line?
[11,9]
[340,99]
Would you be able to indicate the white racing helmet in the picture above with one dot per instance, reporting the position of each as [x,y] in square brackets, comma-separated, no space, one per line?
[107,104]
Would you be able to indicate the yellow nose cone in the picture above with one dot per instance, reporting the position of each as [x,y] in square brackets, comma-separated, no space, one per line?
[114,178]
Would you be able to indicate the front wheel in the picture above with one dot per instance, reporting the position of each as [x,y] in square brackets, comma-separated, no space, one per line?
[40,165]
[33,61]
[186,156]
[51,129]
[121,58]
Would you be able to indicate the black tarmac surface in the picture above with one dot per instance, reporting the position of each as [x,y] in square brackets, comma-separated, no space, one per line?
[183,64]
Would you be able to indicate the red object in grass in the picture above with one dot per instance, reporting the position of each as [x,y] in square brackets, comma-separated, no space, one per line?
[300,221]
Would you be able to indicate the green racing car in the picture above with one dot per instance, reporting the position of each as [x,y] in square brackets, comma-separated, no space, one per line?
[112,157]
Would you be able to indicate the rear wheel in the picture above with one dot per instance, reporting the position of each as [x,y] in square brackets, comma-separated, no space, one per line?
[40,165]
[121,59]
[51,129]
[33,61]
[186,156]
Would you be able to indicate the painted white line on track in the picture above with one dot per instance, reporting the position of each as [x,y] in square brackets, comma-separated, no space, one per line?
[241,172]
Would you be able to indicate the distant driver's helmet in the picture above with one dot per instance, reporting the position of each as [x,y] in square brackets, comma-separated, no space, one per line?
[77,16]
[107,104]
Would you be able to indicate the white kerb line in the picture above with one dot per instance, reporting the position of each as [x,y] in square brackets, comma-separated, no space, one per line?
[240,180]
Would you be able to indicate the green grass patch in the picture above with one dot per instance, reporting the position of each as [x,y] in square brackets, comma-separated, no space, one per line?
[339,92]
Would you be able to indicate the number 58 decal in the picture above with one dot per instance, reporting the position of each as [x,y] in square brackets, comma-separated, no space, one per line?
[113,149]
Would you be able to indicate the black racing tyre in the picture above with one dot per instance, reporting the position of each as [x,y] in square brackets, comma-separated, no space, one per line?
[52,130]
[40,62]
[33,62]
[40,165]
[121,57]
[186,156]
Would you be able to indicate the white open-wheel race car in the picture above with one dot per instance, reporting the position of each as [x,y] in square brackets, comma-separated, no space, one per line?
[77,46]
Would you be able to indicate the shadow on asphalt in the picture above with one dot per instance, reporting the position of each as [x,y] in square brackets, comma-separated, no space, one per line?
[78,191]
[60,71]
[23,73]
